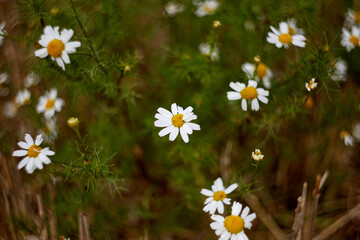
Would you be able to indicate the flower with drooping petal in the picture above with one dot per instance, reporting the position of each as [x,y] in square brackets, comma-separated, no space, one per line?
[232,227]
[173,8]
[352,18]
[57,45]
[23,97]
[31,80]
[258,72]
[2,32]
[348,139]
[217,196]
[350,40]
[207,7]
[250,92]
[49,103]
[205,50]
[283,38]
[34,155]
[178,120]
[311,85]
[293,29]
[257,155]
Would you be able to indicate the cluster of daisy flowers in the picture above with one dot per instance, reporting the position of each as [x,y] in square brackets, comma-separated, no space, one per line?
[350,37]
[203,8]
[231,226]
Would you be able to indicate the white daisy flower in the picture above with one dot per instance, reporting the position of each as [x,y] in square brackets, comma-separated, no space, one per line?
[217,197]
[350,40]
[293,29]
[23,97]
[31,80]
[10,109]
[258,72]
[4,78]
[356,132]
[50,132]
[283,38]
[232,226]
[35,155]
[339,72]
[257,155]
[311,85]
[206,8]
[49,103]
[205,50]
[178,120]
[352,18]
[57,45]
[348,139]
[2,32]
[248,93]
[173,8]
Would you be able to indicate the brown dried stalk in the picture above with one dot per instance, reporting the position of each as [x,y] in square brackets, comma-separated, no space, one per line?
[297,232]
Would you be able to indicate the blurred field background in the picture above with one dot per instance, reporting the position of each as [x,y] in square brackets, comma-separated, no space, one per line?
[132,184]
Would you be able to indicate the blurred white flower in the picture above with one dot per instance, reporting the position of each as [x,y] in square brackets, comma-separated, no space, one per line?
[352,18]
[250,93]
[217,196]
[173,8]
[206,8]
[35,155]
[258,72]
[10,109]
[4,78]
[356,131]
[50,132]
[232,227]
[283,38]
[350,40]
[348,139]
[31,80]
[338,73]
[23,97]
[57,45]
[178,120]
[49,103]
[205,50]
[2,32]
[293,29]
[311,85]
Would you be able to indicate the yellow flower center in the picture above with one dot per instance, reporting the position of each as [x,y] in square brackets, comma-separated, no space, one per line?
[285,38]
[208,9]
[357,17]
[177,120]
[344,134]
[261,70]
[34,151]
[26,101]
[291,31]
[354,40]
[49,104]
[249,93]
[234,224]
[310,84]
[55,48]
[219,195]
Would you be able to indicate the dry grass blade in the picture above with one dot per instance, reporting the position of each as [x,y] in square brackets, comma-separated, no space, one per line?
[298,227]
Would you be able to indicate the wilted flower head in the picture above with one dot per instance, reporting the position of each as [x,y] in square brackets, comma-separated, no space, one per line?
[348,139]
[257,155]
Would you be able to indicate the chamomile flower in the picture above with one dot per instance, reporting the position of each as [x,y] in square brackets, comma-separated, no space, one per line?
[258,72]
[57,45]
[311,85]
[207,7]
[293,29]
[356,131]
[4,78]
[352,18]
[217,197]
[10,109]
[339,70]
[31,80]
[23,97]
[173,8]
[34,155]
[232,227]
[2,32]
[250,93]
[205,50]
[283,38]
[348,139]
[49,103]
[257,155]
[350,40]
[178,120]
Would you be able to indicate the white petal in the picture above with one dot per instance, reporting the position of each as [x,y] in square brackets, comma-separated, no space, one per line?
[233,95]
[42,53]
[38,163]
[216,225]
[187,128]
[44,158]
[220,231]
[245,212]
[48,152]
[161,123]
[174,109]
[65,57]
[209,199]
[255,104]
[29,139]
[252,83]
[244,104]
[162,117]
[220,207]
[23,162]
[23,145]
[174,133]
[218,218]
[284,28]
[184,135]
[225,236]
[263,99]
[236,209]
[60,63]
[244,235]
[206,192]
[165,112]
[231,188]
[38,140]
[166,131]
[29,166]
[193,126]
[219,184]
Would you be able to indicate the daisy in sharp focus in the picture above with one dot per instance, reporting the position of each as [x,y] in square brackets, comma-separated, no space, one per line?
[23,97]
[311,85]
[348,139]
[293,29]
[178,120]
[352,18]
[350,40]
[217,197]
[232,227]
[173,8]
[57,45]
[49,103]
[250,93]
[258,72]
[205,50]
[34,155]
[31,80]
[206,8]
[283,38]
[2,32]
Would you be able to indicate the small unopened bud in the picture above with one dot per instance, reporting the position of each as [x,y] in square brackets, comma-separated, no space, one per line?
[257,59]
[54,11]
[73,122]
[127,68]
[216,24]
[326,48]
[86,162]
[257,155]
